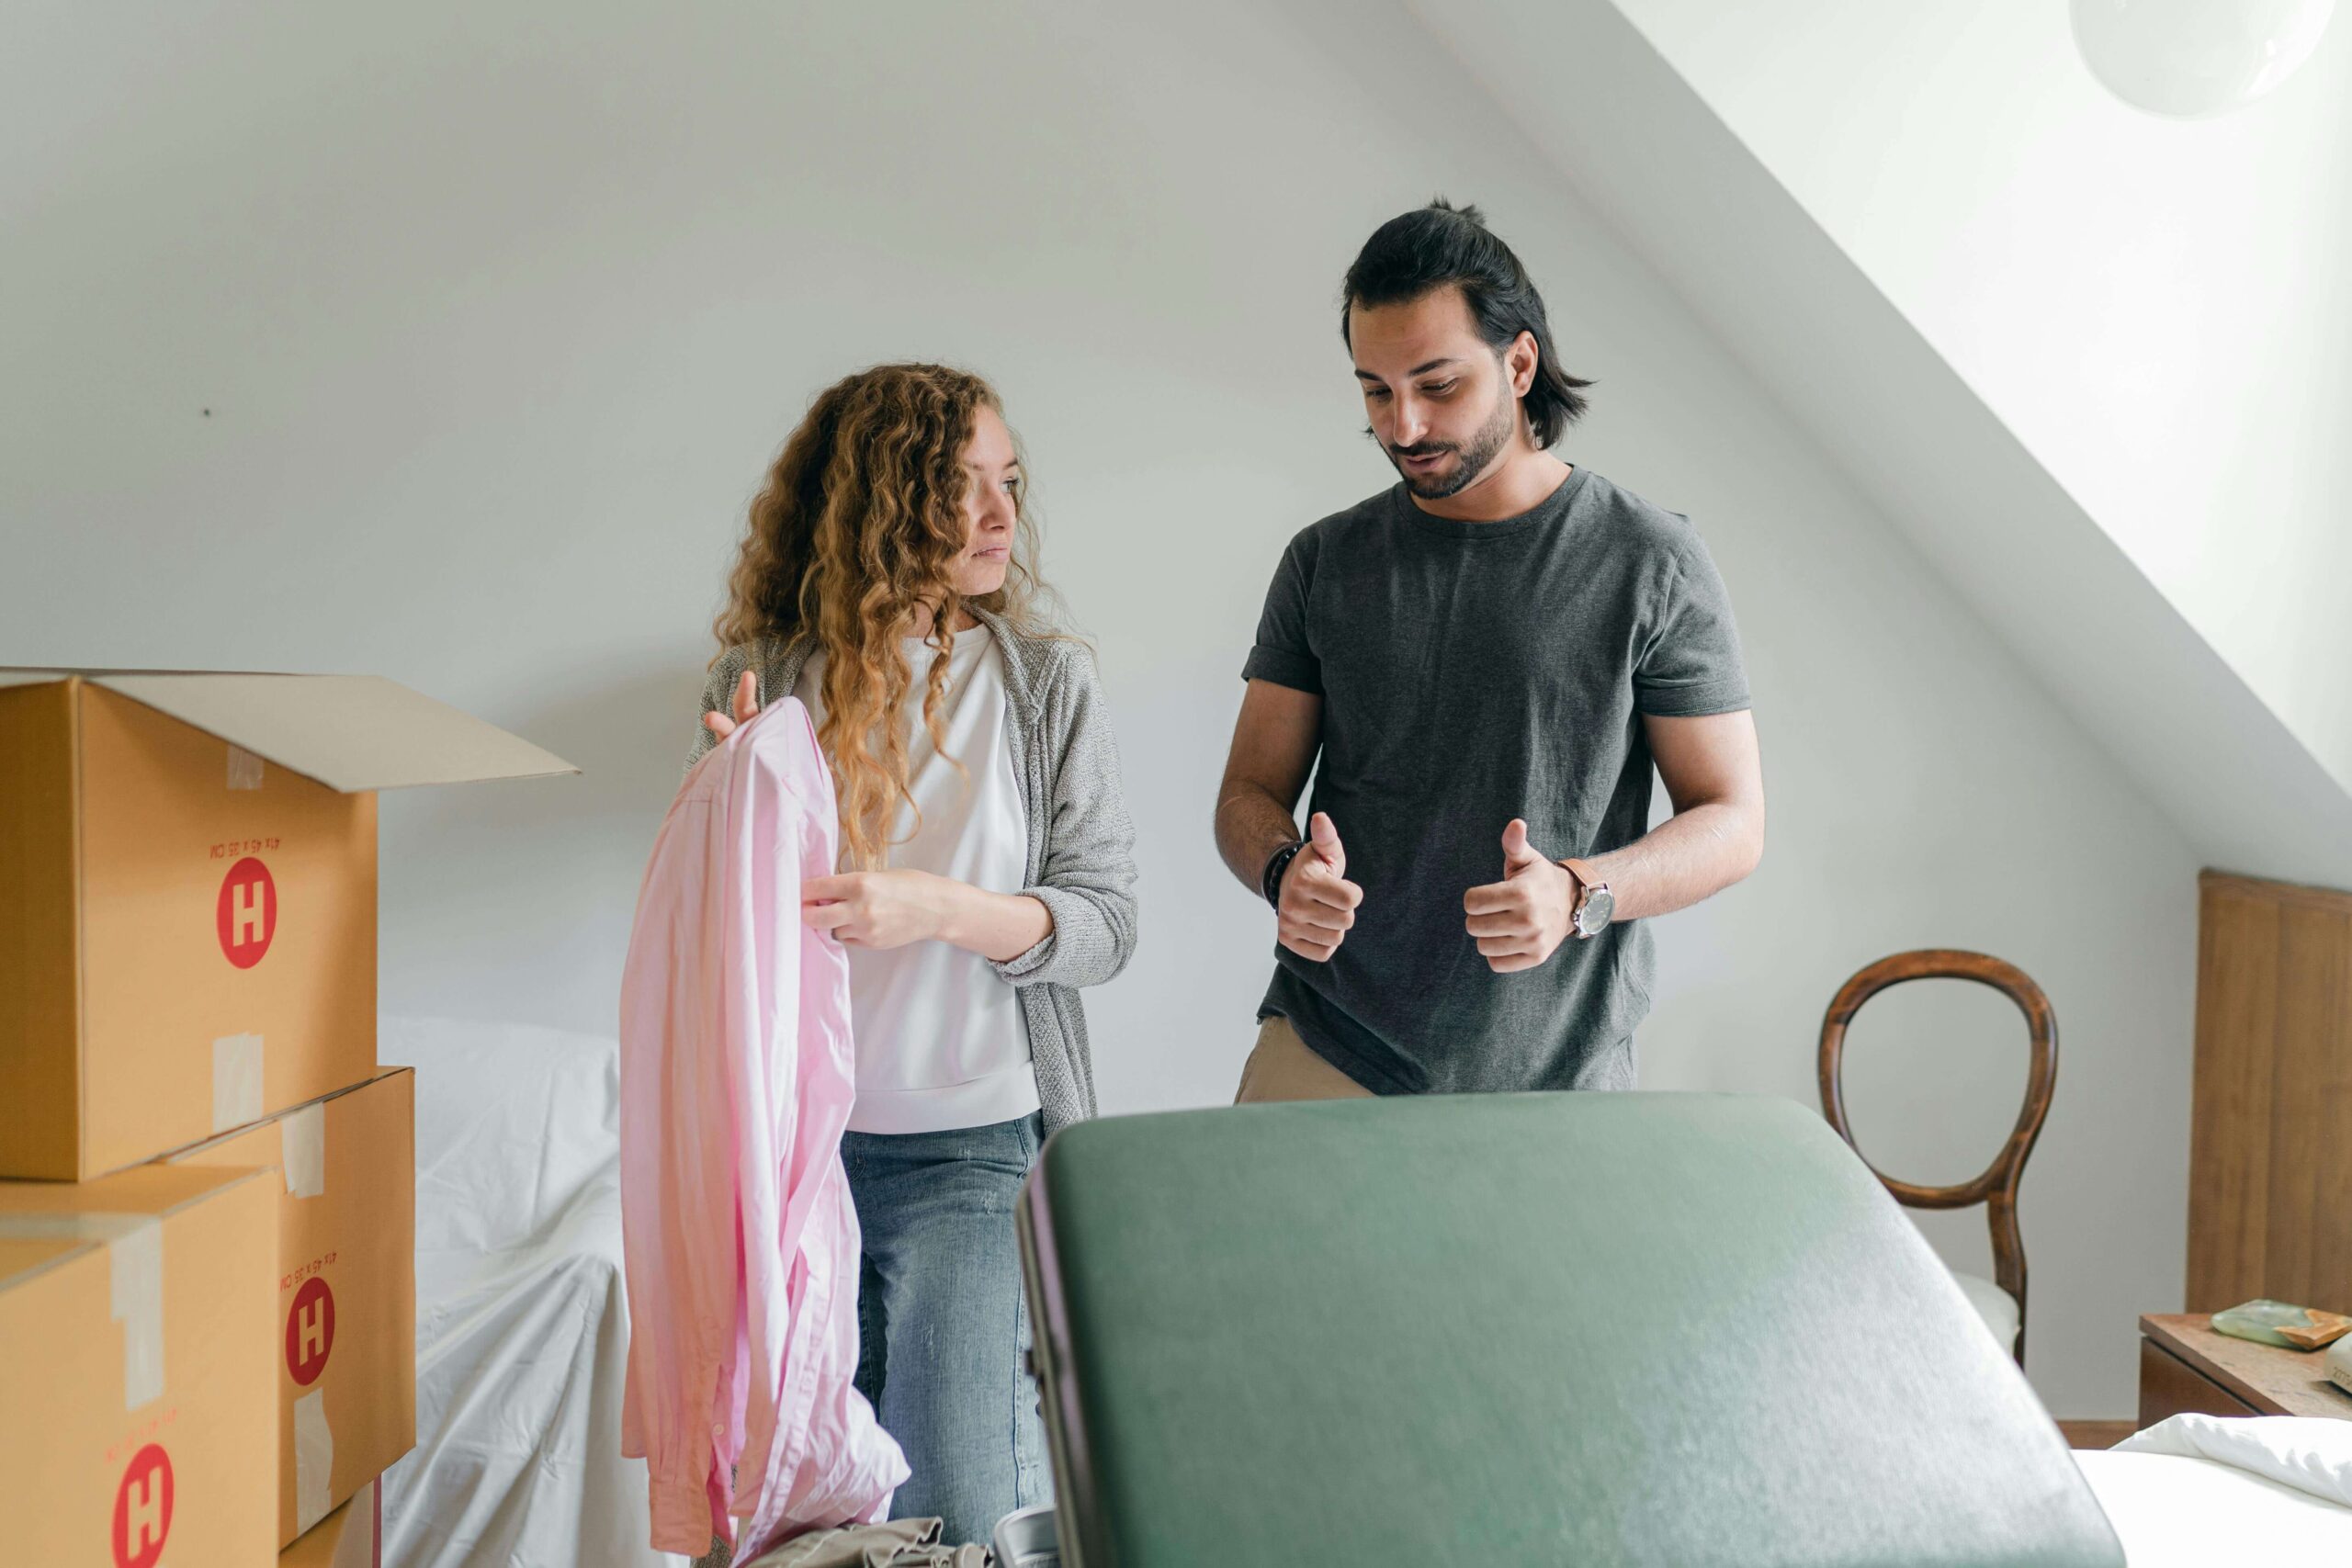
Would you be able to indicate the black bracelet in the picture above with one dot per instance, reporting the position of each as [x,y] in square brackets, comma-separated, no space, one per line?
[1269,881]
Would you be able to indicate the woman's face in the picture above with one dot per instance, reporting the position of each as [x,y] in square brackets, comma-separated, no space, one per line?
[993,473]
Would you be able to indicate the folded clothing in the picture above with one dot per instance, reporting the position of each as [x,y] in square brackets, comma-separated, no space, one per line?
[901,1543]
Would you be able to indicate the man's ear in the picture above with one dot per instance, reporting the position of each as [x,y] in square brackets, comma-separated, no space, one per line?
[1520,360]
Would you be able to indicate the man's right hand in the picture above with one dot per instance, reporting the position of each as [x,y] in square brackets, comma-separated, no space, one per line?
[1318,903]
[747,707]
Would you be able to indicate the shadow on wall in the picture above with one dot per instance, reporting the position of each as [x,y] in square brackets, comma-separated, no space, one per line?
[513,902]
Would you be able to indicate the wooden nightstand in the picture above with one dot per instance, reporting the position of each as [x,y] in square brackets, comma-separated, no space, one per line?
[2185,1366]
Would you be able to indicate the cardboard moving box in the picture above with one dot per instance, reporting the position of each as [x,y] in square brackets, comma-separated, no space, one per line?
[136,1336]
[346,1284]
[188,896]
[351,1537]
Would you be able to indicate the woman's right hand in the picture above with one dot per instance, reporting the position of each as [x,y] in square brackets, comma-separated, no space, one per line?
[747,704]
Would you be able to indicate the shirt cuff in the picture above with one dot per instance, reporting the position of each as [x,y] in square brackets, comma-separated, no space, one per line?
[682,1515]
[1283,668]
[1040,954]
[1698,699]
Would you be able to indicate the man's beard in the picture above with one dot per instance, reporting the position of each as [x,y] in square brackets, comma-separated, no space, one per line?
[1470,461]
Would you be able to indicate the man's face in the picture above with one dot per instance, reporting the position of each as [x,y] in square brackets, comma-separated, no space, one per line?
[1441,402]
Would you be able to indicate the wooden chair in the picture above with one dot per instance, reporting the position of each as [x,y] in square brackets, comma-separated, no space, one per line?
[2001,1300]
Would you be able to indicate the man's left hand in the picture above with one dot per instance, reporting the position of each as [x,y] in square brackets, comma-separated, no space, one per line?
[1520,921]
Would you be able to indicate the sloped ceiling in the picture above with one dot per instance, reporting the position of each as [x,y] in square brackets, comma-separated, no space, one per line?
[2155,306]
[1634,138]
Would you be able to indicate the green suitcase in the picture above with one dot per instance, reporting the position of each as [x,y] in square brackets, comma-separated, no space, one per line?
[1547,1328]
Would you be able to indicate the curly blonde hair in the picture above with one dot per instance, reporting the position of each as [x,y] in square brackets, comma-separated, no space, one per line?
[857,526]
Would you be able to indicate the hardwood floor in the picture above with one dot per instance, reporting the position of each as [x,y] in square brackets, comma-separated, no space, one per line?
[2097,1434]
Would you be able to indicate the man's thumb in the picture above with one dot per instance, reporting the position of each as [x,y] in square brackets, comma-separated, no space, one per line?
[1325,840]
[1516,852]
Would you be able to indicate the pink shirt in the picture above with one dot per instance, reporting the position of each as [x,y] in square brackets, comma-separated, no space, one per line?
[741,1243]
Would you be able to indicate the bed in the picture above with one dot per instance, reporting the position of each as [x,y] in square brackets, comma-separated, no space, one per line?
[522,1326]
[2198,1491]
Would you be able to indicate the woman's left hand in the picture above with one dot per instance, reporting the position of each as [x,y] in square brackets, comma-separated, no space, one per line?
[876,908]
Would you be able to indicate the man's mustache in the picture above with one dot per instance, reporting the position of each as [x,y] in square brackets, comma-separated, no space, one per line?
[1425,449]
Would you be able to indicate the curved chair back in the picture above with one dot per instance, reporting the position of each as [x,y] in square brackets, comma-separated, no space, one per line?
[1997,1187]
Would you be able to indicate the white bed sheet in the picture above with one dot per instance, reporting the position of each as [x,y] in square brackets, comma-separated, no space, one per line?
[522,1325]
[2204,1492]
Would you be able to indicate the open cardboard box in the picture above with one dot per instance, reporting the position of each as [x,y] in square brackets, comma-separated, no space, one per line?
[188,896]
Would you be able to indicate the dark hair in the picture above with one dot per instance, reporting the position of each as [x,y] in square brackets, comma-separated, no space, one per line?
[1441,244]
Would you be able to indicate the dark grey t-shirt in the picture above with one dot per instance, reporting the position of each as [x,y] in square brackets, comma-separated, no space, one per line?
[1472,673]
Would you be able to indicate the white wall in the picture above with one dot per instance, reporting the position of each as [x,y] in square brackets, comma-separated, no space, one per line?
[2156,307]
[499,322]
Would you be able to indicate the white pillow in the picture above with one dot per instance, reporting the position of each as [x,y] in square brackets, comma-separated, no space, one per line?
[2311,1453]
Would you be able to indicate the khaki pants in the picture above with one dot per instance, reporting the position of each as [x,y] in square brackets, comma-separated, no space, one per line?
[1282,1067]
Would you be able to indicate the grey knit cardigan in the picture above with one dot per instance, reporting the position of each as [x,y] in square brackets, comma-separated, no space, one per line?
[1081,861]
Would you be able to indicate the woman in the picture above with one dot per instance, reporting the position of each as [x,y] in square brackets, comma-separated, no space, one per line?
[987,873]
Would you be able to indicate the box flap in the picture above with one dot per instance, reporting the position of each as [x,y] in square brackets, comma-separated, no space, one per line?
[180,1155]
[24,1256]
[141,1190]
[349,732]
[43,674]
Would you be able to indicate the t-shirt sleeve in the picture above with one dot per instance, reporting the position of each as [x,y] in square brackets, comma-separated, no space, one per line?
[1280,654]
[1692,666]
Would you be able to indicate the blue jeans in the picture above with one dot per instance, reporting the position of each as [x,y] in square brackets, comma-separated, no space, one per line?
[942,1321]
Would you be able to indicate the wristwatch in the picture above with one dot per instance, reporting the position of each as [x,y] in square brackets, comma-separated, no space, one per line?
[1595,903]
[1269,881]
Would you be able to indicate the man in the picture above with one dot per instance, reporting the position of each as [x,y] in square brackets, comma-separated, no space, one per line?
[1482,665]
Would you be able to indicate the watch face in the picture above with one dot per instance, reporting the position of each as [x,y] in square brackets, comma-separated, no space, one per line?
[1598,905]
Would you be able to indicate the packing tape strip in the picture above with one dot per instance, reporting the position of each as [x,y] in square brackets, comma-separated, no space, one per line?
[236,1080]
[302,1141]
[135,1260]
[313,1460]
[244,769]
